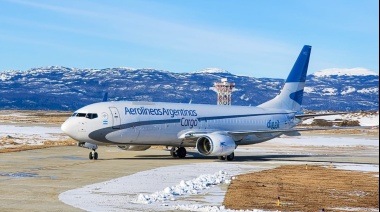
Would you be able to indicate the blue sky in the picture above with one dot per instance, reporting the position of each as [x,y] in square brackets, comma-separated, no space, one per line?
[259,38]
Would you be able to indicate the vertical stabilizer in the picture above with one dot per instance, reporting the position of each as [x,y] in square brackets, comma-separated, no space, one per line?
[291,94]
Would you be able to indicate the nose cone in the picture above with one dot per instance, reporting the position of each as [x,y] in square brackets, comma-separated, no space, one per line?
[64,127]
[67,128]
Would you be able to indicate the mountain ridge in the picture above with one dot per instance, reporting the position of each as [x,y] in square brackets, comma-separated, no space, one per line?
[63,88]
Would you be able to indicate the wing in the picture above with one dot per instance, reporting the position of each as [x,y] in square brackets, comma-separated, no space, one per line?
[291,132]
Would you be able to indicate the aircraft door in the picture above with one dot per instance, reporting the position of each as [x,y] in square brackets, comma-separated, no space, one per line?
[115,118]
[203,124]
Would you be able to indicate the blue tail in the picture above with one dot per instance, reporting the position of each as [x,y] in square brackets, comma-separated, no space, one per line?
[291,94]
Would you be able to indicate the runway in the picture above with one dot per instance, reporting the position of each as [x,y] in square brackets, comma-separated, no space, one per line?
[33,180]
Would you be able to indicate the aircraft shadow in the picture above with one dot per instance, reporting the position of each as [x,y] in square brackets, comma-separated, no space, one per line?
[245,158]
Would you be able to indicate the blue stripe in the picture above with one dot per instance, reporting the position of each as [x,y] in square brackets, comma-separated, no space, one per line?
[297,96]
[100,135]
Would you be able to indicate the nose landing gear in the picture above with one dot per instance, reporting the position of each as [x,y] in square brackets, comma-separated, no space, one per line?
[93,154]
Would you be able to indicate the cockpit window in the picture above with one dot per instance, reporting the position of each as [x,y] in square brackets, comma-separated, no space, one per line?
[91,115]
[81,115]
[87,115]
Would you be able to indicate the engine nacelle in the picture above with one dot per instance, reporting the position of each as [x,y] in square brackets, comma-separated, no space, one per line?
[215,145]
[134,147]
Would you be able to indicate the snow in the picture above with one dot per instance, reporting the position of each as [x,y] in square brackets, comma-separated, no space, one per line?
[4,77]
[344,72]
[308,89]
[31,135]
[329,91]
[195,187]
[357,167]
[212,71]
[368,90]
[347,90]
[364,120]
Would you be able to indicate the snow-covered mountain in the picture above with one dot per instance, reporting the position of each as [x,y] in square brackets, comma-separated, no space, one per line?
[345,72]
[212,71]
[62,88]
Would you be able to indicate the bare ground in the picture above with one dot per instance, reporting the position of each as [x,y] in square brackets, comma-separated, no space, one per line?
[304,188]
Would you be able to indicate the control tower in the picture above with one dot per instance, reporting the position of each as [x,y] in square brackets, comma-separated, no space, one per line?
[224,90]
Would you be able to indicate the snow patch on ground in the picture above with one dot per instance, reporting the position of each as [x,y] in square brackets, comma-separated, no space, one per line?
[29,135]
[197,187]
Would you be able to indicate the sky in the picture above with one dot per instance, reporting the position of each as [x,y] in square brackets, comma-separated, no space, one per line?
[245,37]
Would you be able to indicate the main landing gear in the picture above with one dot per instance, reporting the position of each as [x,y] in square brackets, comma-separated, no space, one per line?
[229,157]
[179,152]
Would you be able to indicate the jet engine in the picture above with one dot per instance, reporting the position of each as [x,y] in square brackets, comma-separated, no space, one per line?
[215,145]
[134,147]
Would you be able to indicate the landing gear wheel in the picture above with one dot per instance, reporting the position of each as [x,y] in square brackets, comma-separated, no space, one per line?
[173,152]
[221,157]
[181,152]
[93,155]
[230,157]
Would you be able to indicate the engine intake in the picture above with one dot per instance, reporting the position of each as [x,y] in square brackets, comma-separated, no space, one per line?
[215,145]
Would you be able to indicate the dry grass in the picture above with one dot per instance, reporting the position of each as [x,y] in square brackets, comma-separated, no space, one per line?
[369,132]
[33,117]
[47,144]
[302,189]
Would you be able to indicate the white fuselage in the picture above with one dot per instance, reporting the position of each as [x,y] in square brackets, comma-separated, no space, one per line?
[158,123]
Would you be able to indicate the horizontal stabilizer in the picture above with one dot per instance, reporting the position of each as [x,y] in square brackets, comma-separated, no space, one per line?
[308,116]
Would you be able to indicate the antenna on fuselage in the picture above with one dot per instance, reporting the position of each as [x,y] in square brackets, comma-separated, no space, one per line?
[190,101]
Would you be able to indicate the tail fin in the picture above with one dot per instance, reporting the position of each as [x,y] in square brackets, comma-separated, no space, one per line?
[291,94]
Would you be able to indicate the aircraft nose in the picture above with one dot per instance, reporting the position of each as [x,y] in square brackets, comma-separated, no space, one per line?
[65,127]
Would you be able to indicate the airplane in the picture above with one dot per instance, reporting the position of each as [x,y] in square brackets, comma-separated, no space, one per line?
[214,130]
